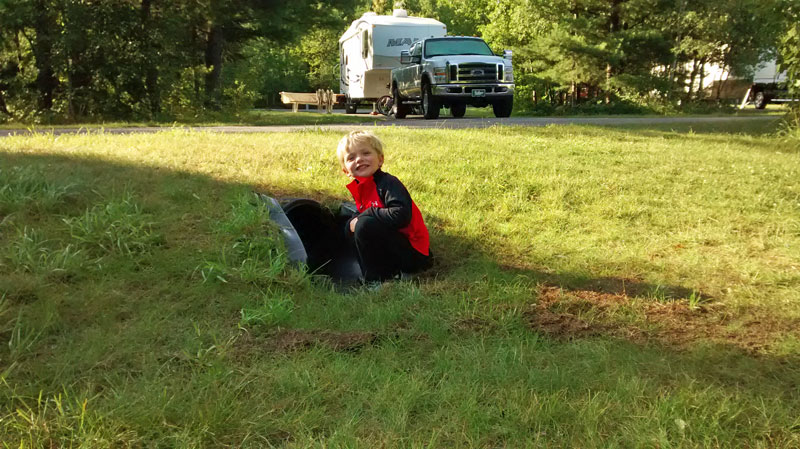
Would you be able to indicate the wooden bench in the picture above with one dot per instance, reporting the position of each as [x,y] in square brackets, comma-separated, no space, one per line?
[323,98]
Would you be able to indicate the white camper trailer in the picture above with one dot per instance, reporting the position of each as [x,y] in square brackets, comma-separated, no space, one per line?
[370,49]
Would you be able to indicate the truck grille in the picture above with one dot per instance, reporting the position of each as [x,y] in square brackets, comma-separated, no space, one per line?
[476,72]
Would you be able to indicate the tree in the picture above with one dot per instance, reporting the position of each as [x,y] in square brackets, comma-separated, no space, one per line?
[790,61]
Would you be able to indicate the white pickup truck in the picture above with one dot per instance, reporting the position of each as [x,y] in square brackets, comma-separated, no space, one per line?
[452,72]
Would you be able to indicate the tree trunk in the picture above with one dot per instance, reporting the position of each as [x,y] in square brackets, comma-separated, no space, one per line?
[151,72]
[79,81]
[692,77]
[573,97]
[214,45]
[3,107]
[721,82]
[46,82]
[702,75]
[614,23]
[7,75]
[673,67]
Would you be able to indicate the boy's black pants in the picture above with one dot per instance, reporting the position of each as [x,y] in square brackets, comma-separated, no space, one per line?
[383,252]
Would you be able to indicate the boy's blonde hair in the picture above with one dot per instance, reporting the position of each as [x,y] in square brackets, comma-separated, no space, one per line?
[355,137]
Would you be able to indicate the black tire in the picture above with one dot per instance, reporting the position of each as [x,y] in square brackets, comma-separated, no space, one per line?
[503,107]
[760,100]
[430,106]
[400,110]
[350,107]
[458,109]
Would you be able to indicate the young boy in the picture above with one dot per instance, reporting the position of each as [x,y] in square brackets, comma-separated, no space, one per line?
[389,233]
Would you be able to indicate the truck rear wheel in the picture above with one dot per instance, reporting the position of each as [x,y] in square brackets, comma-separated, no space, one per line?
[458,109]
[760,100]
[430,106]
[503,107]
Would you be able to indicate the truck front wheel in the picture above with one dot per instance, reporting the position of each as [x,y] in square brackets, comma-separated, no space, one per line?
[430,106]
[503,107]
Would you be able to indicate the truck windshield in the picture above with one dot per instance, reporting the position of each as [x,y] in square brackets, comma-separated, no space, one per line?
[450,46]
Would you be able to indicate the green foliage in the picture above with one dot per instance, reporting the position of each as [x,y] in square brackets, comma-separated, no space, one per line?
[790,62]
[629,49]
[76,61]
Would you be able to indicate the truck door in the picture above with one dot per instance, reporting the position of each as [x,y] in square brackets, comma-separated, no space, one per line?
[413,76]
[408,73]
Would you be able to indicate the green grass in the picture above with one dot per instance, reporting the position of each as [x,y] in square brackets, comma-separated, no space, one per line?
[262,117]
[594,287]
[255,117]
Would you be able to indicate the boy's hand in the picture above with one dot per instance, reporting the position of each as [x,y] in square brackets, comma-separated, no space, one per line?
[353,224]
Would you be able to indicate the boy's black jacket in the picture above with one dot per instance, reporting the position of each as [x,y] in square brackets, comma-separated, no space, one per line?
[384,197]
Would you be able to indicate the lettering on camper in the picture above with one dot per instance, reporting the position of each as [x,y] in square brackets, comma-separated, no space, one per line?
[401,41]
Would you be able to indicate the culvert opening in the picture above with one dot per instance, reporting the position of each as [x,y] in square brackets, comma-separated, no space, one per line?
[315,235]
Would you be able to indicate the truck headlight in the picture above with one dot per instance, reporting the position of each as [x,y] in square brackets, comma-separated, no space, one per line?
[508,74]
[440,74]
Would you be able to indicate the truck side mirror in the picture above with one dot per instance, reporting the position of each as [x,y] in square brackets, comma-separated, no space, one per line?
[507,54]
[405,57]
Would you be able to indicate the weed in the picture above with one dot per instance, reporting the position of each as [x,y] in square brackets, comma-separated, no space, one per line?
[31,252]
[55,421]
[247,216]
[248,261]
[118,226]
[213,271]
[23,338]
[259,271]
[695,300]
[28,187]
[658,293]
[255,256]
[274,309]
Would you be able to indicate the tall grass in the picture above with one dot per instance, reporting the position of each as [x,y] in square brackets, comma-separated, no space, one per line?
[26,187]
[117,226]
[594,287]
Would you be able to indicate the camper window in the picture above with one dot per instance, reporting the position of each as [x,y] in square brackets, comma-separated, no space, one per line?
[365,44]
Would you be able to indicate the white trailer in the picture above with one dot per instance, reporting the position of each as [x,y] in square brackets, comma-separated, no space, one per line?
[370,49]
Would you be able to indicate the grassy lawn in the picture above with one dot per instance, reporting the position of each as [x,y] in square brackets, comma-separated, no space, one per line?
[594,287]
[263,117]
[255,117]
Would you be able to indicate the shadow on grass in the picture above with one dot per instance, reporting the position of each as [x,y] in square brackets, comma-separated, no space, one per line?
[567,307]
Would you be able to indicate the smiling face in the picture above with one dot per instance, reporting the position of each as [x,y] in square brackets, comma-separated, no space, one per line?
[361,160]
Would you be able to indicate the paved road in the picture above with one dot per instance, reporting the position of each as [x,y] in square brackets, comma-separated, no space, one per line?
[418,122]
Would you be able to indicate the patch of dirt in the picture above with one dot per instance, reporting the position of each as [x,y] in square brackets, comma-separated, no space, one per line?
[562,325]
[569,314]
